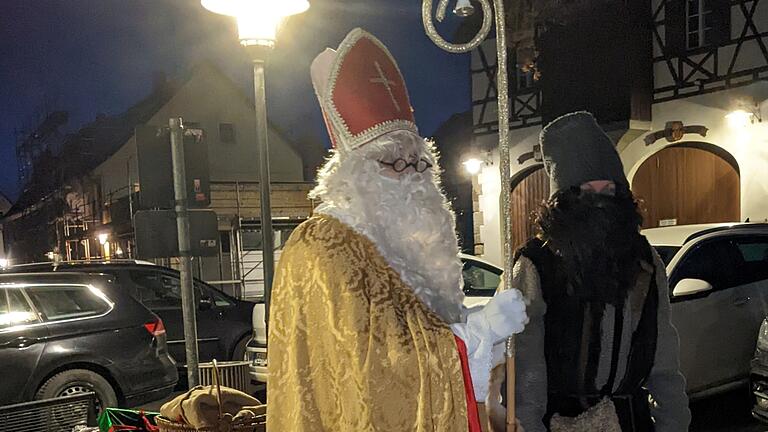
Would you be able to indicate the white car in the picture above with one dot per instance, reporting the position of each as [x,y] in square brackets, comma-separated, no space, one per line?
[718,277]
[481,278]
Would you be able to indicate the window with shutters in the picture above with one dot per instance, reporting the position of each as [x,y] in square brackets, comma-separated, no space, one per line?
[699,28]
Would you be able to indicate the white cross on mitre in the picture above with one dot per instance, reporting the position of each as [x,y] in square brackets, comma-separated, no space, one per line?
[387,83]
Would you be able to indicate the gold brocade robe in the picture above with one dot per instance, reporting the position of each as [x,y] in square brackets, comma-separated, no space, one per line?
[351,348]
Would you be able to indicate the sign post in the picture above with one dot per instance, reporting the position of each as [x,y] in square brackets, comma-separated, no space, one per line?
[188,303]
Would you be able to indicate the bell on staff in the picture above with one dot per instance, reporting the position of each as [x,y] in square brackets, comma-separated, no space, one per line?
[463,8]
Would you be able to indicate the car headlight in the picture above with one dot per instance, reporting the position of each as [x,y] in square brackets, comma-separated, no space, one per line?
[762,338]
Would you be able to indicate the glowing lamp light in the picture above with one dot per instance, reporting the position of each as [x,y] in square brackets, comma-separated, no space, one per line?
[4,262]
[103,237]
[257,20]
[739,118]
[473,165]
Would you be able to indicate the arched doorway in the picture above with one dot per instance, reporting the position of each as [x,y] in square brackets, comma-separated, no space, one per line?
[689,183]
[529,188]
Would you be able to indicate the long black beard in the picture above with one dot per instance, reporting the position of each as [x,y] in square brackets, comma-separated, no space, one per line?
[598,239]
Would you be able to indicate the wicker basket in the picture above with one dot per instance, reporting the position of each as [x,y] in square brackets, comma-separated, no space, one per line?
[226,423]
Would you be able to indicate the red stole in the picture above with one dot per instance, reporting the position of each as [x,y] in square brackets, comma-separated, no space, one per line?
[472,414]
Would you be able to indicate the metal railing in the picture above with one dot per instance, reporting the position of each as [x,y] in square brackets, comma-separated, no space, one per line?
[232,374]
[61,414]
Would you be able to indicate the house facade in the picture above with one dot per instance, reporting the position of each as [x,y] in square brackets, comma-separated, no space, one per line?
[91,215]
[689,129]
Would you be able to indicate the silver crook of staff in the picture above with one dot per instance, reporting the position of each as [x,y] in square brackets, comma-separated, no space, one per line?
[495,15]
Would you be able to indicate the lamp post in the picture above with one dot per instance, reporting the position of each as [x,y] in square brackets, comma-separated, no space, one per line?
[258,22]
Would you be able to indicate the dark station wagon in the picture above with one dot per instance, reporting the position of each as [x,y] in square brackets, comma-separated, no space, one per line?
[68,333]
[224,323]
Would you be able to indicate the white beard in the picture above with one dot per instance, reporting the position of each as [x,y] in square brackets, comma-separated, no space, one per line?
[408,219]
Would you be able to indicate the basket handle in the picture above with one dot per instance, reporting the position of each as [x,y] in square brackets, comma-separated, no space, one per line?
[218,387]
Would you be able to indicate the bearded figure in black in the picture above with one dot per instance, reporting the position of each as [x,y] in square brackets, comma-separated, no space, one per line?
[599,353]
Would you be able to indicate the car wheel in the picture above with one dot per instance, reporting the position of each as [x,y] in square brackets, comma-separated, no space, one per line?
[79,381]
[239,353]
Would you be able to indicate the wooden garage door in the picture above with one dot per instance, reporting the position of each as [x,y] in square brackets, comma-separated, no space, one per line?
[688,185]
[527,196]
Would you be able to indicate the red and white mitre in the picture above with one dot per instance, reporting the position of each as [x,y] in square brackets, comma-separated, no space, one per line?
[361,91]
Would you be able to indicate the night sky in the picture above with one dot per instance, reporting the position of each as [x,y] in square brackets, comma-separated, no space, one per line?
[100,56]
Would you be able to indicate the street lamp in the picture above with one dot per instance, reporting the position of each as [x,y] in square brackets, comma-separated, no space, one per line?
[258,22]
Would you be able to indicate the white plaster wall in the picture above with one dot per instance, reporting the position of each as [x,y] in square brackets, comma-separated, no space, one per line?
[748,145]
[521,142]
[209,99]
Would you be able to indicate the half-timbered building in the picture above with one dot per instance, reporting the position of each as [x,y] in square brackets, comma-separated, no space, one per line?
[680,85]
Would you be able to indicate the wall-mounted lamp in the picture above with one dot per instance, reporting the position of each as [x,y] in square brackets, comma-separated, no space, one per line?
[474,162]
[103,237]
[744,114]
[473,165]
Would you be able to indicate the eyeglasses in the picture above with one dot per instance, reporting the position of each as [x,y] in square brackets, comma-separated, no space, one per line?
[400,165]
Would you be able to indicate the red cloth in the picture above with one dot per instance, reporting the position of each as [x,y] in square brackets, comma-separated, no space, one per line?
[472,414]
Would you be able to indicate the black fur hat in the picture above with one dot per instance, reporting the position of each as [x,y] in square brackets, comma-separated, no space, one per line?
[576,150]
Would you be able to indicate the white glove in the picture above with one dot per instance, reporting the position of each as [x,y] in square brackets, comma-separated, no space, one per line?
[503,316]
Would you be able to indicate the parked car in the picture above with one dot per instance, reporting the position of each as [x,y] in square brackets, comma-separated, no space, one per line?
[224,323]
[718,276]
[481,278]
[63,334]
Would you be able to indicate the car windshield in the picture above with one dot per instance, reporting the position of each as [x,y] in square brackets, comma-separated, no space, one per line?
[667,252]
